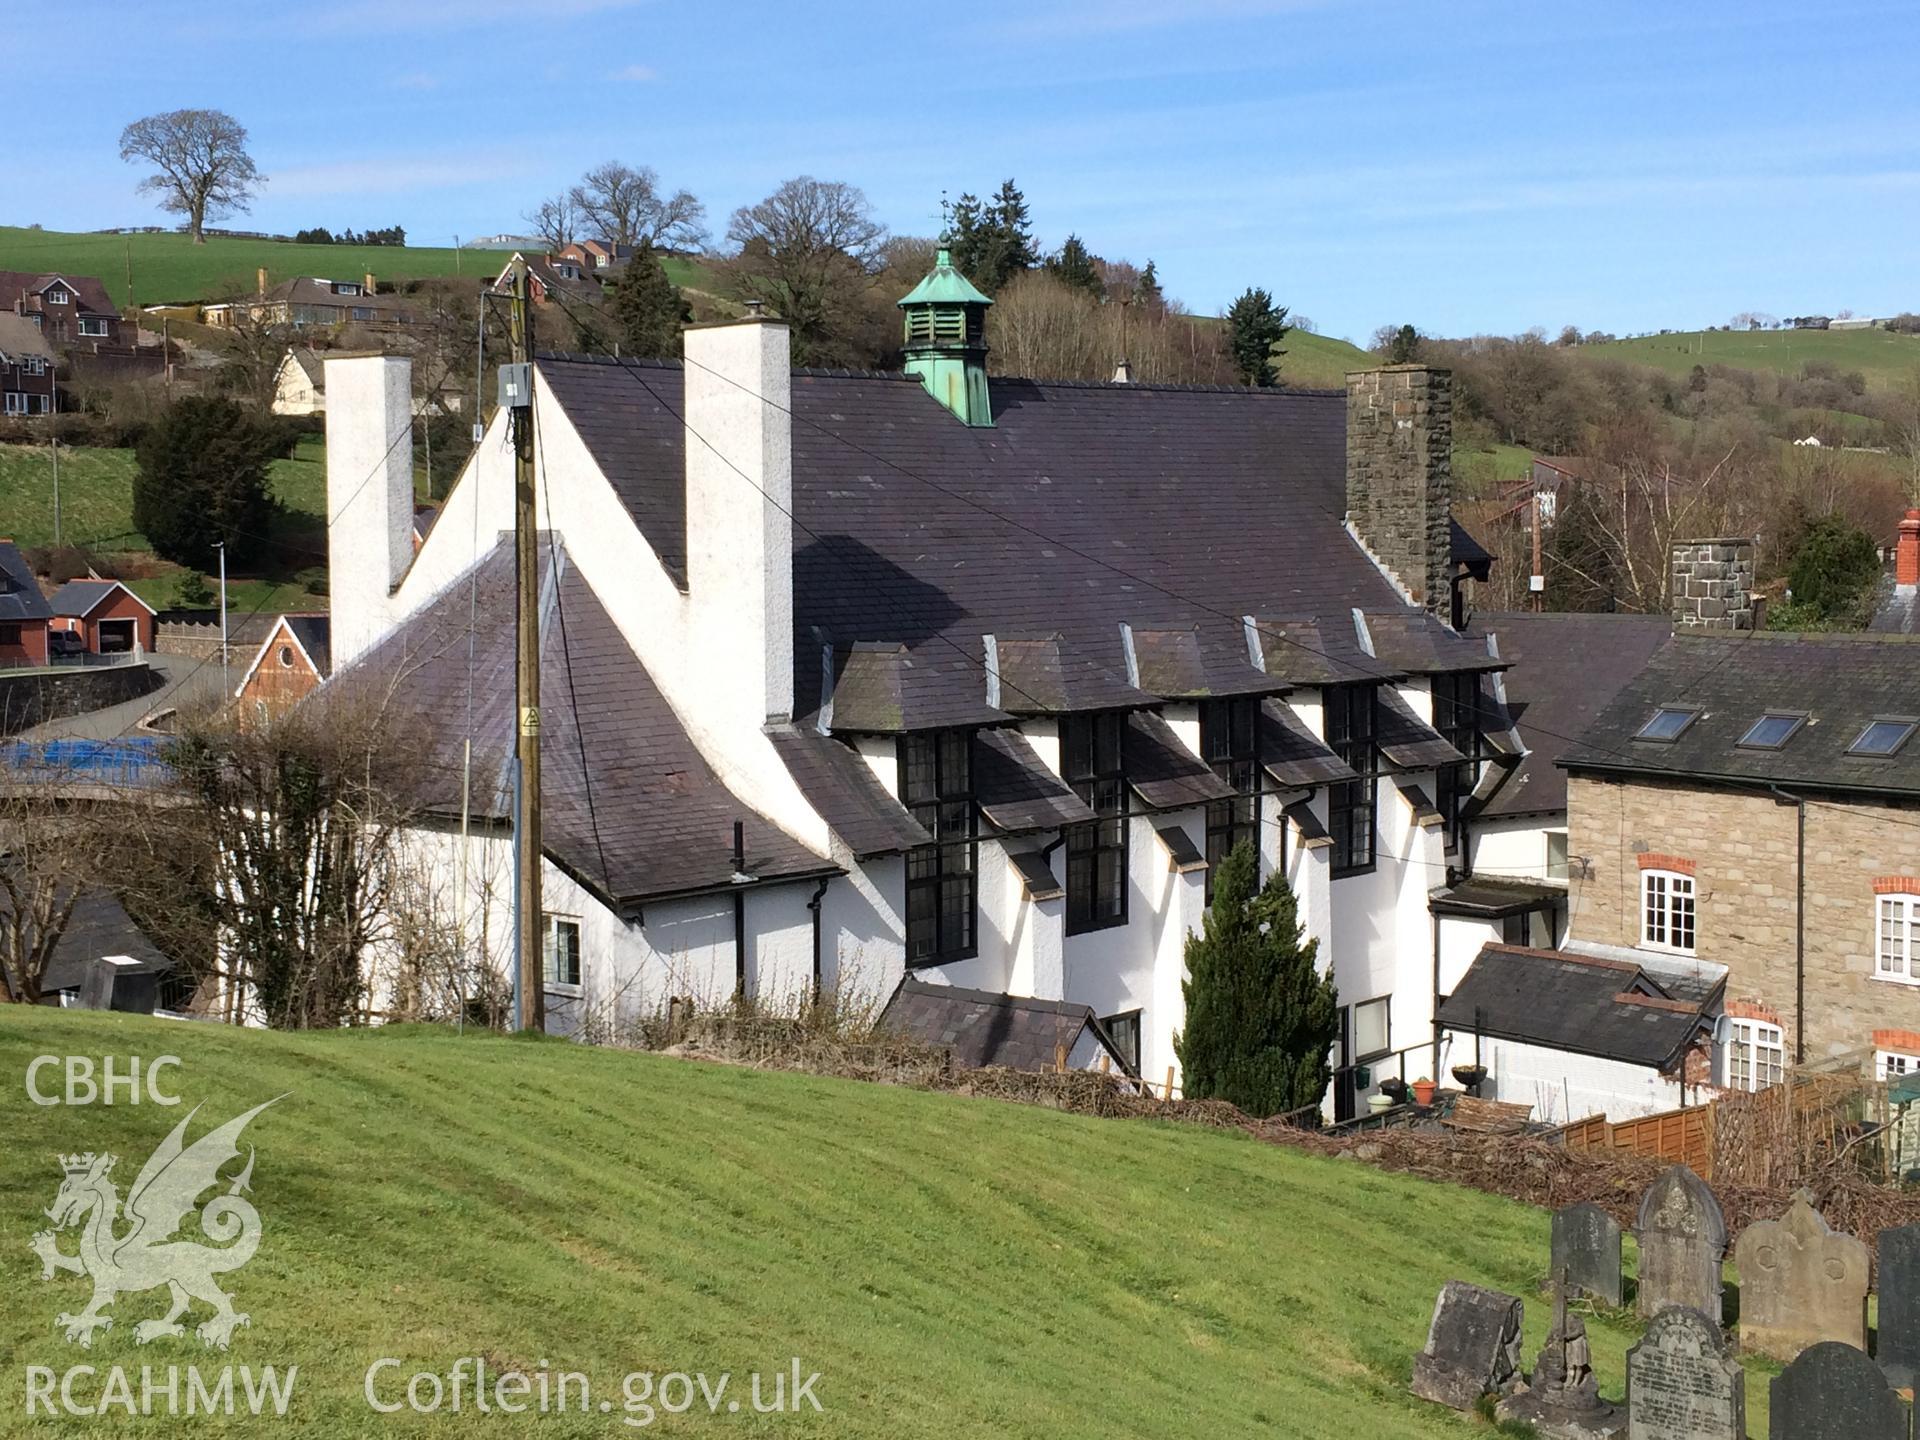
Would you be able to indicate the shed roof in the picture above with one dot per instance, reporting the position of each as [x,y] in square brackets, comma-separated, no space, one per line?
[986,1027]
[20,597]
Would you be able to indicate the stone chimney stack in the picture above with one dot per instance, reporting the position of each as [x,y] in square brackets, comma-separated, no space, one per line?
[369,495]
[1400,476]
[739,446]
[1712,584]
[1906,554]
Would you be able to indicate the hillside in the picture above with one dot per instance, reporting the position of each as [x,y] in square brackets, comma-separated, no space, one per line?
[1320,361]
[949,1266]
[171,269]
[1883,357]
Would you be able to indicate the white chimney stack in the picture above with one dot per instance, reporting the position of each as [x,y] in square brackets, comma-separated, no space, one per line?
[739,392]
[369,496]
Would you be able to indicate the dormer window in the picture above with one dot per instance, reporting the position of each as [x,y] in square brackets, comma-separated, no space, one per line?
[1456,716]
[56,296]
[1668,723]
[1230,744]
[1771,731]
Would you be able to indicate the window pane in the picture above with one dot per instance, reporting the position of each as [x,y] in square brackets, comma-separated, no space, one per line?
[1666,723]
[1882,737]
[1770,732]
[1369,1027]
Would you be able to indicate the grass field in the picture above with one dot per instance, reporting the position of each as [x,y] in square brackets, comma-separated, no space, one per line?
[950,1267]
[1320,361]
[1883,357]
[171,269]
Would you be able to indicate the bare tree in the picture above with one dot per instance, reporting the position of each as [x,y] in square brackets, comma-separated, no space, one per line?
[1044,329]
[49,851]
[1906,434]
[624,205]
[808,251]
[555,220]
[204,169]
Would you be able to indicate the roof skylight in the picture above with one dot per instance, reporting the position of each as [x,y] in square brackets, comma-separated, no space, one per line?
[1883,736]
[1772,730]
[1667,723]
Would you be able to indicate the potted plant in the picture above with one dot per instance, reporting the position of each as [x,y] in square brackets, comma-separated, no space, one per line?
[1423,1092]
[1470,1076]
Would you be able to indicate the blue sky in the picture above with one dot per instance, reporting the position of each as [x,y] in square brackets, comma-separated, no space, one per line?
[1472,166]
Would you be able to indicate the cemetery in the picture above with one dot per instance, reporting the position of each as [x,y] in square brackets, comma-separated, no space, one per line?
[1798,1297]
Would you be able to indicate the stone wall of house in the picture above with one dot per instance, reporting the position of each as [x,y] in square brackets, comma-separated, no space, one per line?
[1740,848]
[1713,584]
[1400,475]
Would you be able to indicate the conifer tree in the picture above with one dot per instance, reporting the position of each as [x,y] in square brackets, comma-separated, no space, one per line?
[1261,1018]
[1147,291]
[1074,267]
[992,240]
[647,310]
[1255,328]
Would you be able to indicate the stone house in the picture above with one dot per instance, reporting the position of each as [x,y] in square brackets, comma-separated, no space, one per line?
[849,677]
[1751,803]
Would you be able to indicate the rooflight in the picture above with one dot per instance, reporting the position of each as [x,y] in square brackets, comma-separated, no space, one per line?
[1771,731]
[1883,736]
[1668,722]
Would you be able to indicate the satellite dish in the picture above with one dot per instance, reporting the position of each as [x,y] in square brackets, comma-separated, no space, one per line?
[1722,1029]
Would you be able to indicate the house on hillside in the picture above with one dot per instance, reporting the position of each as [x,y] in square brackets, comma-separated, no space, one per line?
[312,302]
[300,385]
[1748,808]
[854,676]
[73,312]
[24,611]
[551,275]
[291,663]
[27,368]
[104,617]
[594,254]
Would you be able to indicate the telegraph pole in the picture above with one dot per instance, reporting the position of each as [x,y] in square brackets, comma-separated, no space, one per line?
[529,920]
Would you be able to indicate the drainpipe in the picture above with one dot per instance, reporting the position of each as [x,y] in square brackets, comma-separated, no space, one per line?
[1780,797]
[1433,922]
[813,905]
[739,910]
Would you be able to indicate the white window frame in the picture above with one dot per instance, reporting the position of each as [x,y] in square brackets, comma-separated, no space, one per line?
[1382,1006]
[99,334]
[549,927]
[1891,1064]
[34,364]
[1557,856]
[56,296]
[1896,938]
[16,402]
[1675,897]
[1756,1055]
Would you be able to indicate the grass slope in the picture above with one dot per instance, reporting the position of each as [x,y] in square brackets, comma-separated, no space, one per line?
[1883,357]
[1321,361]
[171,269]
[949,1266]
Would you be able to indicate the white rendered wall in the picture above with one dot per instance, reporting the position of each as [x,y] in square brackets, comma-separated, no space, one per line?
[1562,1086]
[369,495]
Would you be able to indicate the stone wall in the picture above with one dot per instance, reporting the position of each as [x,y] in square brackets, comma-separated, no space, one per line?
[1741,849]
[1713,584]
[1400,476]
[32,697]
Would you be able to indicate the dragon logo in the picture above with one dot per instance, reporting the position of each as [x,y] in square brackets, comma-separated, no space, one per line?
[146,1256]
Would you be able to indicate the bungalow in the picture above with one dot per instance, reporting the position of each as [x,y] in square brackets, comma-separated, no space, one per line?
[311,302]
[24,612]
[27,368]
[104,617]
[594,254]
[292,662]
[853,676]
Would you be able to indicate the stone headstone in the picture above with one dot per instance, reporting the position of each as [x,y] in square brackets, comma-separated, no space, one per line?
[1834,1392]
[1561,1399]
[1898,1349]
[1682,1384]
[1473,1347]
[1683,1239]
[1801,1282]
[1586,1245]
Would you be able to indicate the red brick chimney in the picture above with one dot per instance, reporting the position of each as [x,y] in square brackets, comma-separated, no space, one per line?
[1906,555]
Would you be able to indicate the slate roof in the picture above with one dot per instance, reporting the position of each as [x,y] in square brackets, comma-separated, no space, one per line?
[1163,506]
[985,1027]
[1841,681]
[1896,609]
[1048,675]
[845,792]
[1412,642]
[20,337]
[1562,1001]
[99,927]
[655,820]
[1016,791]
[1175,664]
[87,289]
[1564,670]
[315,634]
[1292,754]
[1406,740]
[77,598]
[20,597]
[1162,771]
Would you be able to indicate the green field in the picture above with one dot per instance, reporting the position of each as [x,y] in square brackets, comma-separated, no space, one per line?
[171,269]
[949,1266]
[1883,357]
[1321,361]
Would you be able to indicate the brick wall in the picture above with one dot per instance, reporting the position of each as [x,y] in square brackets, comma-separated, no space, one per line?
[1400,475]
[1741,848]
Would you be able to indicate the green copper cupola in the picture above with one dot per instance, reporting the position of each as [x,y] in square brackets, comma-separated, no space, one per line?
[946,340]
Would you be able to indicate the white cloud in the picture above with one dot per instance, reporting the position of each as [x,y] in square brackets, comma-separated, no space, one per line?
[638,74]
[414,80]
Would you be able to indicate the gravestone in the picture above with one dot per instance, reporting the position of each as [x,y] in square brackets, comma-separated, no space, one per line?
[1683,1239]
[1586,1245]
[1834,1392]
[1899,1342]
[1801,1282]
[1561,1399]
[1682,1384]
[1473,1347]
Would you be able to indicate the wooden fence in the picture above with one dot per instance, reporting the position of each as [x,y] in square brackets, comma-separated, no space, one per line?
[1680,1137]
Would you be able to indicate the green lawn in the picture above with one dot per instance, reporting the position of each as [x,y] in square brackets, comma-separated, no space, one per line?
[170,269]
[1883,357]
[949,1266]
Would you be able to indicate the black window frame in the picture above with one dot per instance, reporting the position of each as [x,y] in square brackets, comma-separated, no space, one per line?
[1093,763]
[937,770]
[1120,1029]
[1230,745]
[1456,719]
[552,925]
[1353,810]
